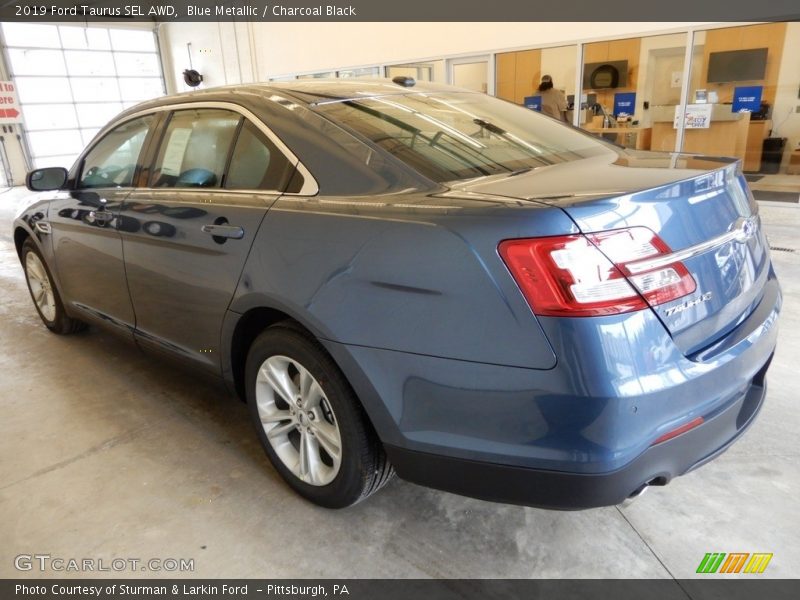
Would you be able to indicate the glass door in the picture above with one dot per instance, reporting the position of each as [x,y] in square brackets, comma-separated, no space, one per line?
[746,78]
[631,90]
[72,80]
[540,79]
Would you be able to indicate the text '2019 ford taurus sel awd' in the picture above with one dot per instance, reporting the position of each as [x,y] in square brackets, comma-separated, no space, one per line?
[420,279]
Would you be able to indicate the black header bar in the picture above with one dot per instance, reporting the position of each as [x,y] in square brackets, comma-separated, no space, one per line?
[412,589]
[405,11]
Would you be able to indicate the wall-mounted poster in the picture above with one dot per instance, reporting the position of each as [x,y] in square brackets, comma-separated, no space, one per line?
[624,103]
[747,98]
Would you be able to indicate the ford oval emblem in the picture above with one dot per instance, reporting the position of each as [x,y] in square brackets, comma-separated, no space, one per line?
[746,228]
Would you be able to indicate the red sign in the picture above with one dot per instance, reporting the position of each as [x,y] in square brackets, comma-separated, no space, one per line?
[9,105]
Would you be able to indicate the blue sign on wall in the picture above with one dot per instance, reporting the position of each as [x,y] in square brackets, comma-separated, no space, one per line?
[533,102]
[747,98]
[624,103]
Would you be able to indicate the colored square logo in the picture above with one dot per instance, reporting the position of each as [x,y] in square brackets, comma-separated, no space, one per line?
[533,102]
[747,98]
[734,562]
[624,104]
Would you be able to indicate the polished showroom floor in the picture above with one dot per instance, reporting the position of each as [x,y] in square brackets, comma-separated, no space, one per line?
[106,453]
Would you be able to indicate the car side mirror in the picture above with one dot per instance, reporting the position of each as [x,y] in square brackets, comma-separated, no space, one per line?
[47,179]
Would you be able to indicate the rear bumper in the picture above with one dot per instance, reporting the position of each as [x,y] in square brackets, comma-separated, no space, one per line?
[573,491]
[578,435]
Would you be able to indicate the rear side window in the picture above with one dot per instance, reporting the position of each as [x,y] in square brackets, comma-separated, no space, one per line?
[113,160]
[195,148]
[256,163]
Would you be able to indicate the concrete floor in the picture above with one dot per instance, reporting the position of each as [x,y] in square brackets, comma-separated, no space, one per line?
[107,453]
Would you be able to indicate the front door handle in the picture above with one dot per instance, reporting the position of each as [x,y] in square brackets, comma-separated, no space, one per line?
[233,232]
[100,217]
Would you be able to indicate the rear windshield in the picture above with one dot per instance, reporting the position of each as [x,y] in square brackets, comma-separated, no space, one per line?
[451,136]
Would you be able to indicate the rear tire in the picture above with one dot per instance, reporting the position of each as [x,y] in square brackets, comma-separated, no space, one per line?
[309,421]
[44,293]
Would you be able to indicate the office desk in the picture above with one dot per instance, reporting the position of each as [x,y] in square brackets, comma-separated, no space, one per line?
[726,135]
[630,137]
[793,168]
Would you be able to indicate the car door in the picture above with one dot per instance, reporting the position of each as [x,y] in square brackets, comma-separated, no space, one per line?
[86,243]
[187,234]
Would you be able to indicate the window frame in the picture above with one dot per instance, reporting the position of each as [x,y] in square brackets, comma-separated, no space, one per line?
[154,155]
[309,188]
[259,135]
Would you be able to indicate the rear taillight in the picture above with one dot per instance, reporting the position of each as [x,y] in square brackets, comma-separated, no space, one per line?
[634,251]
[597,274]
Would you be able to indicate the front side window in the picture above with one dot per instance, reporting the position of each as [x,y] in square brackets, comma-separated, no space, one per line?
[113,160]
[451,136]
[195,149]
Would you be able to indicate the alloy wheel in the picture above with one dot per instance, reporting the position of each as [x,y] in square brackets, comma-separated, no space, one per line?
[41,287]
[298,420]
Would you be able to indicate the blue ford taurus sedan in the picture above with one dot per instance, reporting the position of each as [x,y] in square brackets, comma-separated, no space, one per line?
[421,280]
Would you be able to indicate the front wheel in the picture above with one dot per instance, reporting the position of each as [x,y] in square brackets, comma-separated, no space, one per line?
[44,293]
[310,422]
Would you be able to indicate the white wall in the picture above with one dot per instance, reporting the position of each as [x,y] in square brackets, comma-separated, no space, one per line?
[472,76]
[274,49]
[559,63]
[221,52]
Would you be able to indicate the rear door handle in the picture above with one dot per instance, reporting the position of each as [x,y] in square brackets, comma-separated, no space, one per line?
[101,215]
[224,231]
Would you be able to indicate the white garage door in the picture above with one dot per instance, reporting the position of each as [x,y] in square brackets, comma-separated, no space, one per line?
[72,80]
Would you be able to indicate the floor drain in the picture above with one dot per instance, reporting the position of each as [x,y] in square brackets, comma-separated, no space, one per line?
[781,249]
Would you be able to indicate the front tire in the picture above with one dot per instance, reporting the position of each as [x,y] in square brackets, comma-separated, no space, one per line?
[309,421]
[44,293]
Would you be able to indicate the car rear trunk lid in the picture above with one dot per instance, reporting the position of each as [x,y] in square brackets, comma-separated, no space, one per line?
[708,219]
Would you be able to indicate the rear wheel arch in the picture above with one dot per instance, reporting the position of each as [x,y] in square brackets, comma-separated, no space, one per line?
[252,323]
[248,327]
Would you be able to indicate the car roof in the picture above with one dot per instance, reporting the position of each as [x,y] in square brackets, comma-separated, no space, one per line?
[306,91]
[320,90]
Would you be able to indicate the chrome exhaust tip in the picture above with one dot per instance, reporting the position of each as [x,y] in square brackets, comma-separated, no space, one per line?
[638,492]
